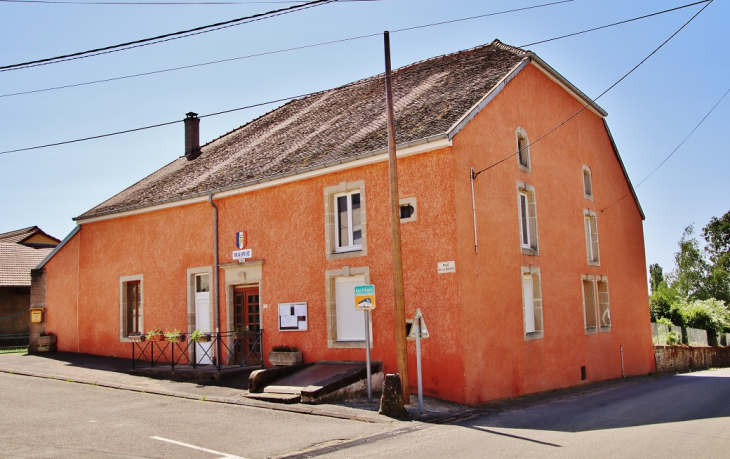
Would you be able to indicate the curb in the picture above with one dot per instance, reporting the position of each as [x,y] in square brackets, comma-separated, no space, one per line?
[311,410]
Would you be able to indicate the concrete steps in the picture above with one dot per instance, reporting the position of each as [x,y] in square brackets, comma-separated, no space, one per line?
[313,383]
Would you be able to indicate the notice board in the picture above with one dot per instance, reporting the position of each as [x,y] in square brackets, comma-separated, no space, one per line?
[293,317]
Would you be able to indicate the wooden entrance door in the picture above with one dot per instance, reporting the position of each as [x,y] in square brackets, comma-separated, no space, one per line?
[246,316]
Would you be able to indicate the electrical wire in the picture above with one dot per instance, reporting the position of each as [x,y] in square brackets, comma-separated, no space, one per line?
[154,72]
[52,2]
[165,37]
[670,154]
[365,81]
[592,101]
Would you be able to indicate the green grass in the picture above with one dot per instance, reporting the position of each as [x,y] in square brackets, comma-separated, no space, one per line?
[14,350]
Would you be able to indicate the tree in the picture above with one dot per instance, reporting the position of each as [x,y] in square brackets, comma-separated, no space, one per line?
[656,274]
[689,277]
[717,235]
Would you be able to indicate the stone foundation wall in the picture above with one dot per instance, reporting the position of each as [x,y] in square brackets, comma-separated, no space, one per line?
[37,300]
[680,359]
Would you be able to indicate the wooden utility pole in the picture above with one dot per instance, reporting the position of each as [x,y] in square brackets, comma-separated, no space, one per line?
[400,310]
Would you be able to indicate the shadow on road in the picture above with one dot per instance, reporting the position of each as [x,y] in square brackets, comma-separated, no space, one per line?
[677,398]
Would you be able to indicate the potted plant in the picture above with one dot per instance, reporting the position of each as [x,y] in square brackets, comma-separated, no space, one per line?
[199,336]
[155,335]
[46,339]
[242,333]
[282,355]
[175,336]
[136,337]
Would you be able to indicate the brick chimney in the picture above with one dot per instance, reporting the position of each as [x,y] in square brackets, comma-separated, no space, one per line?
[192,136]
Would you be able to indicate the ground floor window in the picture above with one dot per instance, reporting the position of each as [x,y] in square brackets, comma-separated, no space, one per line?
[532,302]
[345,324]
[130,306]
[596,305]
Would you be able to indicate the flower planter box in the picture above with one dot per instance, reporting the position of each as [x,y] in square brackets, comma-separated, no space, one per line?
[156,338]
[136,338]
[47,340]
[279,359]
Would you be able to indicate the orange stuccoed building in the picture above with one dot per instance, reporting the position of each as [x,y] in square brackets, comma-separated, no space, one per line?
[525,282]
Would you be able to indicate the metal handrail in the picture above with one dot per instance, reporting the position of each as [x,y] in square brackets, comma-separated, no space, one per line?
[184,352]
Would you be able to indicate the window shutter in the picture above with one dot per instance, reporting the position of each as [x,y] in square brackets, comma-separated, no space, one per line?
[528,298]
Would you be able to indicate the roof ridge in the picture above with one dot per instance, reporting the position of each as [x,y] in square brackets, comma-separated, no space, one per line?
[496,42]
[18,231]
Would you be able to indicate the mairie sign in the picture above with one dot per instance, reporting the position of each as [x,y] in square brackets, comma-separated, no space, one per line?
[242,254]
[365,297]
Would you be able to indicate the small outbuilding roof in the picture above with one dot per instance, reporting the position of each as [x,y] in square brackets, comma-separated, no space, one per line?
[16,261]
[22,235]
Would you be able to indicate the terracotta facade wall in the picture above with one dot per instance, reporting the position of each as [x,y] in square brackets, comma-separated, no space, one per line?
[499,361]
[477,350]
[285,229]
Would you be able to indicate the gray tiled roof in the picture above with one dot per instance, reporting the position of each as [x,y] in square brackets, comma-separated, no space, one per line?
[16,261]
[338,124]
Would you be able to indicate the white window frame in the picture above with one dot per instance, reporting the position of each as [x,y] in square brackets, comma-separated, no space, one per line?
[587,183]
[123,281]
[534,326]
[601,307]
[333,251]
[192,276]
[350,229]
[524,203]
[590,227]
[528,193]
[331,306]
[523,152]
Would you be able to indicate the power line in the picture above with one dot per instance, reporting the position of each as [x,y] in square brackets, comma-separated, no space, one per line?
[53,2]
[365,81]
[165,37]
[672,153]
[615,23]
[154,72]
[127,131]
[476,174]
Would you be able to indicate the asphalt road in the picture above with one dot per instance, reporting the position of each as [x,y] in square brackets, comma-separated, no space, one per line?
[44,418]
[683,416]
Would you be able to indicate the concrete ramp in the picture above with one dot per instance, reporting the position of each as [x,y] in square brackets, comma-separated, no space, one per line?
[313,382]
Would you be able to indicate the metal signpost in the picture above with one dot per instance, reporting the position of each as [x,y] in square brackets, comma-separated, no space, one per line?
[365,301]
[419,331]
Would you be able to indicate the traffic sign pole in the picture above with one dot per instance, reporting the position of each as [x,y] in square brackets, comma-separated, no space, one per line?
[367,354]
[417,324]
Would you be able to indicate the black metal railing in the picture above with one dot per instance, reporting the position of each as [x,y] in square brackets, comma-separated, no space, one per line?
[223,350]
[11,343]
[13,332]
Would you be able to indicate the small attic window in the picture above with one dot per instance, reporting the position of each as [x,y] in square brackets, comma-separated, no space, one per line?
[587,183]
[523,150]
[408,210]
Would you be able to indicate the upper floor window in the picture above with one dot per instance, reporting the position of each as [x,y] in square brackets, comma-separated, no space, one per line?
[523,150]
[528,218]
[587,183]
[348,222]
[591,230]
[345,228]
[408,210]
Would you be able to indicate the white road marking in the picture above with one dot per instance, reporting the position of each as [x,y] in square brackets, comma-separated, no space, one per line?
[179,443]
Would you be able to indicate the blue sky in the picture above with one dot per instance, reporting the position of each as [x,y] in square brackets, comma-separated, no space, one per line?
[650,112]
